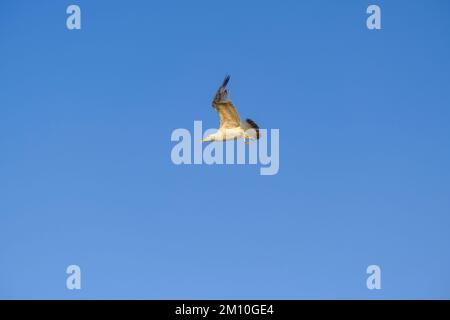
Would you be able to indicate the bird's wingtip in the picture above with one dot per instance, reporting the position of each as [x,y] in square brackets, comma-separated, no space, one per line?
[226,80]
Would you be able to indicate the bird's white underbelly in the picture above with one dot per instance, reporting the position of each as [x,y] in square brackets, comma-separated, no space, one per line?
[230,134]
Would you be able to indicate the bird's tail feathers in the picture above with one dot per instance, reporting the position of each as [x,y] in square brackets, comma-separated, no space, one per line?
[251,128]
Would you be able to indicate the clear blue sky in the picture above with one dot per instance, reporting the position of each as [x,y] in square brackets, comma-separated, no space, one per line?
[85,170]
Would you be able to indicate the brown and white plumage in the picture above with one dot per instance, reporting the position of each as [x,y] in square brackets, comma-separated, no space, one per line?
[229,118]
[231,126]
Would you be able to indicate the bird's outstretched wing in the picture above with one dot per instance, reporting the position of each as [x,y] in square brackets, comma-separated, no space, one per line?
[229,118]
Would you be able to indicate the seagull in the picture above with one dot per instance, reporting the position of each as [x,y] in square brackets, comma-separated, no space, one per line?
[231,127]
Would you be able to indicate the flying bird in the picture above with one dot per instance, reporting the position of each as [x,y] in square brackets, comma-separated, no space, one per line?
[231,126]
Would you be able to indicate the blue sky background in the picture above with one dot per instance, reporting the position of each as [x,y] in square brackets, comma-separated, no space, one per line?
[85,170]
